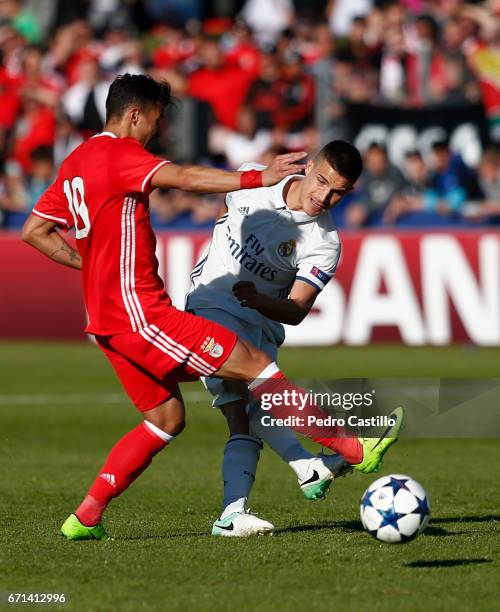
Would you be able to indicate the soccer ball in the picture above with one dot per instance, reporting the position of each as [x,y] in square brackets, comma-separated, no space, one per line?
[395,508]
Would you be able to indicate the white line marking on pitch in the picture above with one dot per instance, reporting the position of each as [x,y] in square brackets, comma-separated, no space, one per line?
[44,399]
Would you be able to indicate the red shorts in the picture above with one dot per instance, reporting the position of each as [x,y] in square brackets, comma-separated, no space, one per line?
[180,347]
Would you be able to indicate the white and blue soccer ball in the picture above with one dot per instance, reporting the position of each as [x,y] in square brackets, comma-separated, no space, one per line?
[395,509]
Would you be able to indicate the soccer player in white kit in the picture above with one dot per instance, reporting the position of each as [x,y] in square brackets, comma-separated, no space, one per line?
[271,254]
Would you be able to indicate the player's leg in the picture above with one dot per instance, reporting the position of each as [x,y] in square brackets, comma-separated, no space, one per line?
[270,385]
[315,473]
[163,412]
[205,348]
[239,467]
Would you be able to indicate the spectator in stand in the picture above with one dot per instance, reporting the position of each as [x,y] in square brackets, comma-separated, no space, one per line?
[174,47]
[10,100]
[22,21]
[72,45]
[483,54]
[454,37]
[451,182]
[67,138]
[104,15]
[354,48]
[426,63]
[38,79]
[121,54]
[263,96]
[180,210]
[489,183]
[244,144]
[25,191]
[34,128]
[44,13]
[223,87]
[268,18]
[296,89]
[412,195]
[241,50]
[381,182]
[12,45]
[393,76]
[85,101]
[342,12]
[458,88]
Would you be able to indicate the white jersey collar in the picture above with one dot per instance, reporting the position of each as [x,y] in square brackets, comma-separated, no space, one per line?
[298,215]
[105,134]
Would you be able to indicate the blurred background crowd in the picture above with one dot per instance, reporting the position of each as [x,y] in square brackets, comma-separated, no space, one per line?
[253,78]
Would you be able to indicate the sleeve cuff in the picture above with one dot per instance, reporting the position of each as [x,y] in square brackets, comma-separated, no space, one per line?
[309,282]
[148,178]
[50,217]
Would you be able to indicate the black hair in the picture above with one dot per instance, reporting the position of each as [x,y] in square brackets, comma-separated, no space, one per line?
[42,153]
[343,157]
[413,153]
[377,146]
[128,89]
[440,145]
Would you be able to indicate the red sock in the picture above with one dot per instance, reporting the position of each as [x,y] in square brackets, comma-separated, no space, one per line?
[335,439]
[128,458]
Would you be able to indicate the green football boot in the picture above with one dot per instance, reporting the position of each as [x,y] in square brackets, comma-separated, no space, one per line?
[72,529]
[374,449]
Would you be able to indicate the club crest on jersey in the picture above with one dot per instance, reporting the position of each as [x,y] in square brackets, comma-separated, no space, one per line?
[213,348]
[244,210]
[285,249]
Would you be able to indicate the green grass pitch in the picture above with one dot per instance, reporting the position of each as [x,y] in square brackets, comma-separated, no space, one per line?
[61,409]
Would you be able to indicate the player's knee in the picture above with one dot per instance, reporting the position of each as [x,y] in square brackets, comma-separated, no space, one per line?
[176,425]
[260,359]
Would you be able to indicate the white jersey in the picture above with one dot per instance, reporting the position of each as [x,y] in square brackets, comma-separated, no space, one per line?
[261,240]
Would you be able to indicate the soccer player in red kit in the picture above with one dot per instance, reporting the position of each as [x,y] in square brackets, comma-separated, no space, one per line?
[102,191]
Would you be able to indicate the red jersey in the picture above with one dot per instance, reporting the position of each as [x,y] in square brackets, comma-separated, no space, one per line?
[102,190]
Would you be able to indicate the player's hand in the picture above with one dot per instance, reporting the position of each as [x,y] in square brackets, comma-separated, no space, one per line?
[281,166]
[246,293]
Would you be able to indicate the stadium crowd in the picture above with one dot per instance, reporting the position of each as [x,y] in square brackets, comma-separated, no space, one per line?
[253,78]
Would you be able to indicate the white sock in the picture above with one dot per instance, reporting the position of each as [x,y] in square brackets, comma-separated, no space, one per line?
[282,440]
[159,432]
[239,466]
[266,373]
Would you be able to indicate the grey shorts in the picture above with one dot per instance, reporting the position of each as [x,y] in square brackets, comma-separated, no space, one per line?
[226,391]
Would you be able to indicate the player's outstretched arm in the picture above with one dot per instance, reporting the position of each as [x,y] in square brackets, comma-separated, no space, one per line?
[43,235]
[291,310]
[212,180]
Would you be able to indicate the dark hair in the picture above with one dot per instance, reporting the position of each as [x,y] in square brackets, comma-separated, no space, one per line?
[343,158]
[440,145]
[128,89]
[42,153]
[377,146]
[413,153]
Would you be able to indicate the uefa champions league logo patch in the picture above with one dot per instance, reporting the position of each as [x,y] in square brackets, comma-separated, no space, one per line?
[285,249]
[213,348]
[324,278]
